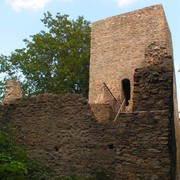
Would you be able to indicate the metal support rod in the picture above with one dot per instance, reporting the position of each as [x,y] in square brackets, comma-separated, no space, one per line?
[119,110]
[109,90]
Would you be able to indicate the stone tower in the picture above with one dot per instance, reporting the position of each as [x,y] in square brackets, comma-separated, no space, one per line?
[131,69]
[118,47]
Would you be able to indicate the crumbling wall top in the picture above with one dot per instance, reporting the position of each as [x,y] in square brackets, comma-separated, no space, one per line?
[13,91]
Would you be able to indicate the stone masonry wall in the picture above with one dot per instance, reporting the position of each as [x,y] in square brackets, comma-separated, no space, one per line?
[153,86]
[155,89]
[62,133]
[136,146]
[55,128]
[118,47]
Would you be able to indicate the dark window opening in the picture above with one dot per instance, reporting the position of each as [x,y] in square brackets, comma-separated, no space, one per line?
[56,148]
[111,146]
[126,90]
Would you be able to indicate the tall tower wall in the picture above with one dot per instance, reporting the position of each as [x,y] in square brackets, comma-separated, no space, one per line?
[118,47]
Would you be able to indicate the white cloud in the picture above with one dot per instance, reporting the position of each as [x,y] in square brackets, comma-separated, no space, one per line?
[123,3]
[35,5]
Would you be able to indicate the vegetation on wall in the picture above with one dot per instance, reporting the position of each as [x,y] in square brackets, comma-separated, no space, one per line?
[53,61]
[14,162]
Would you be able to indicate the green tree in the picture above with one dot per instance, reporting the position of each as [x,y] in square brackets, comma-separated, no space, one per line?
[53,61]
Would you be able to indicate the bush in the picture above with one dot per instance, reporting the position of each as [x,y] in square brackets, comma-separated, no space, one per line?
[14,162]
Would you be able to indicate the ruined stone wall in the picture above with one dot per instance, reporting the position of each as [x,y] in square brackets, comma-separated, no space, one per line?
[153,90]
[13,91]
[136,146]
[118,47]
[55,128]
[153,86]
[62,133]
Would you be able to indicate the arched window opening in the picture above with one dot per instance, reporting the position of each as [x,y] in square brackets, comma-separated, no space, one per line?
[126,90]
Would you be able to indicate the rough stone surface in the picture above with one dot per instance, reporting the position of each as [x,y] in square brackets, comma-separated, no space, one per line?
[102,112]
[153,84]
[135,46]
[155,88]
[62,133]
[118,47]
[13,91]
[55,128]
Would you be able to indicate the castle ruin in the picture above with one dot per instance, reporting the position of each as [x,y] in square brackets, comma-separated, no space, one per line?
[131,69]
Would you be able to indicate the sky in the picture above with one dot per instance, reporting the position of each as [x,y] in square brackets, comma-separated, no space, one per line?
[21,18]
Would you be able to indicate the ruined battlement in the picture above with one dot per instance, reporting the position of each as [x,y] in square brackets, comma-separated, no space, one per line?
[62,133]
[13,91]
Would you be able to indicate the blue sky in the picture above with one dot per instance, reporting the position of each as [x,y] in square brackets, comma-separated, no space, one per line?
[21,18]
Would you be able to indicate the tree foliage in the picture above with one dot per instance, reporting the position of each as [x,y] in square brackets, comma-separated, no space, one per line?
[53,61]
[10,163]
